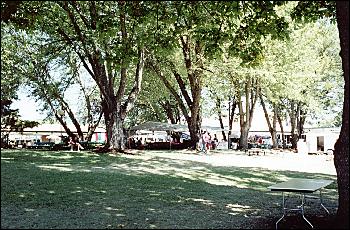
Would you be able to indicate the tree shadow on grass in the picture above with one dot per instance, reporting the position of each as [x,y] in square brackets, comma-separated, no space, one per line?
[83,190]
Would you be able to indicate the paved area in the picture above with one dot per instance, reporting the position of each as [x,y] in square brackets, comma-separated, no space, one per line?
[274,160]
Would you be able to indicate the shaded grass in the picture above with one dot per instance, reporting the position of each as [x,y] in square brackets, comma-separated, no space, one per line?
[52,189]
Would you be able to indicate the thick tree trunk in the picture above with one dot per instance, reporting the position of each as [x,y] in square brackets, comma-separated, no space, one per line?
[193,128]
[243,140]
[114,128]
[341,148]
[117,136]
[251,95]
[301,122]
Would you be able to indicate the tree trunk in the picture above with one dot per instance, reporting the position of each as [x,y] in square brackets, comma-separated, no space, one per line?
[117,142]
[243,140]
[190,110]
[284,144]
[75,122]
[341,148]
[245,117]
[222,128]
[60,118]
[293,124]
[231,115]
[170,112]
[272,128]
[64,124]
[114,128]
[218,109]
[92,127]
[90,119]
[302,118]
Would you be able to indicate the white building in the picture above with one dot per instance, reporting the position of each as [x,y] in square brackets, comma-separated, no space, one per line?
[321,140]
[52,133]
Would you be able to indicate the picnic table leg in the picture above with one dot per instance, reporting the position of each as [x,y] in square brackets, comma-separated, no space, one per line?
[302,210]
[284,210]
[322,202]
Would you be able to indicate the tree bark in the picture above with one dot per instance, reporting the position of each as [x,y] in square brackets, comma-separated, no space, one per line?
[231,115]
[218,109]
[170,111]
[118,111]
[272,128]
[341,148]
[251,95]
[293,123]
[279,119]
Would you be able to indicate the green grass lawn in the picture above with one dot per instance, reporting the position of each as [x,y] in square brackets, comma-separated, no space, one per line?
[62,189]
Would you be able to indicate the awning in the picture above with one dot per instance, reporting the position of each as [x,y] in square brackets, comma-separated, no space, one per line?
[214,128]
[160,126]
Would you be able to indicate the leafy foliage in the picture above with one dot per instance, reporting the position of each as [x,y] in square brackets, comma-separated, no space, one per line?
[10,79]
[309,11]
[11,122]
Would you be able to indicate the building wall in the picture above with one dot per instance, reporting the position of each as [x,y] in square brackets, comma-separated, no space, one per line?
[321,139]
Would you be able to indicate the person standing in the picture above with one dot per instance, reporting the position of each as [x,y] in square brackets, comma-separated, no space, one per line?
[202,143]
[206,140]
[209,140]
[215,141]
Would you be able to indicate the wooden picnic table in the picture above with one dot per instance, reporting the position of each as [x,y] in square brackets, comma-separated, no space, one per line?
[257,151]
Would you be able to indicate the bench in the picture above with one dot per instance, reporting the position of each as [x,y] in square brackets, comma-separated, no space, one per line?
[257,151]
[42,145]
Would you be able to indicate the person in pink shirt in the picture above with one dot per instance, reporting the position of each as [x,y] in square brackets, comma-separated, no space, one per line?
[206,139]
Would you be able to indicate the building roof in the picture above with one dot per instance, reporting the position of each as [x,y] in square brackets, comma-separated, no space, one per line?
[59,128]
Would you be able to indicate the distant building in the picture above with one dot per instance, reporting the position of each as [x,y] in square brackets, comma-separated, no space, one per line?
[51,133]
[321,140]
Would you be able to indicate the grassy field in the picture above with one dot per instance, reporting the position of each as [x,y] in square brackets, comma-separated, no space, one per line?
[62,189]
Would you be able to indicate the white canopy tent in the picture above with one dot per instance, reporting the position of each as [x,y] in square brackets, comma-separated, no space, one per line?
[160,126]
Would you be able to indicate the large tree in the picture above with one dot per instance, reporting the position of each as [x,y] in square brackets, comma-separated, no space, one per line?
[340,11]
[199,31]
[10,83]
[341,153]
[107,46]
[46,72]
[154,105]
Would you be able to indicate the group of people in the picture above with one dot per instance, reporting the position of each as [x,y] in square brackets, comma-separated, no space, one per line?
[206,142]
[137,143]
